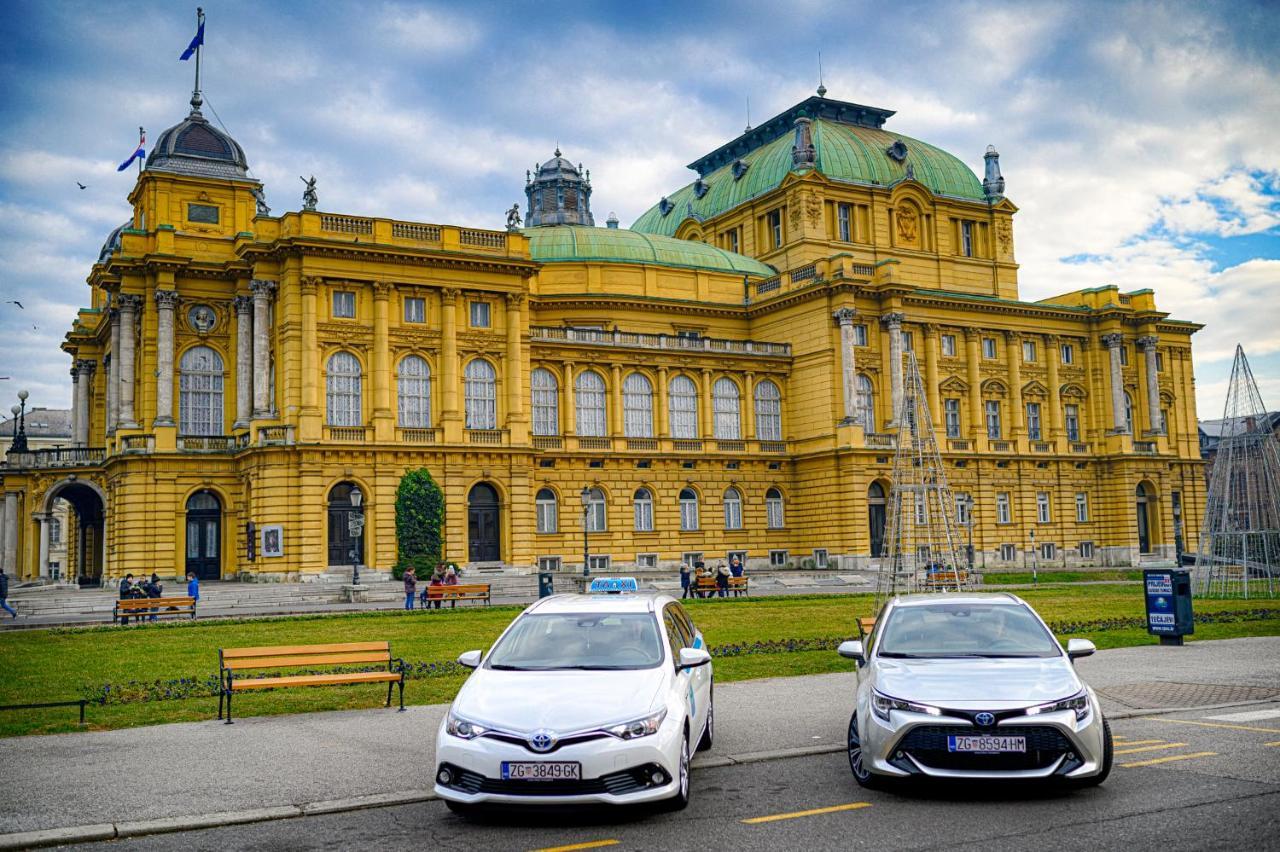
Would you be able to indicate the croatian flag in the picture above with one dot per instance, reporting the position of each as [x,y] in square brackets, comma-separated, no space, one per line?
[195,42]
[139,153]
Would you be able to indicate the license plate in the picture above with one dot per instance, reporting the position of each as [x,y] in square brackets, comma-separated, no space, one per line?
[541,771]
[986,744]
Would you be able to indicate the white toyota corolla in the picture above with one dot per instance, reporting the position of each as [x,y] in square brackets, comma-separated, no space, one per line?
[595,698]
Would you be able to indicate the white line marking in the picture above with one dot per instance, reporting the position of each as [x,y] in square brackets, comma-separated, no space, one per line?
[1250,716]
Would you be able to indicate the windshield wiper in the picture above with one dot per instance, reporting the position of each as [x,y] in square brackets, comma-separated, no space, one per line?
[503,667]
[899,655]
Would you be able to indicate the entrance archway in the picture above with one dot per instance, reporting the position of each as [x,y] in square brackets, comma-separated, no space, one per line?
[484,531]
[204,535]
[1146,515]
[875,517]
[86,539]
[344,548]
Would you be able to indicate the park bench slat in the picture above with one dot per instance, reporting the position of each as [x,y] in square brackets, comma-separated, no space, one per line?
[286,650]
[146,609]
[865,624]
[143,603]
[238,664]
[459,592]
[316,680]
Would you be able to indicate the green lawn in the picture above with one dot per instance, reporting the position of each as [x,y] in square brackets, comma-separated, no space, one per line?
[144,672]
[996,578]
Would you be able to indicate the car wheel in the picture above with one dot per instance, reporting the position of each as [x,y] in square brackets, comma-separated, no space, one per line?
[709,732]
[865,777]
[1108,755]
[680,800]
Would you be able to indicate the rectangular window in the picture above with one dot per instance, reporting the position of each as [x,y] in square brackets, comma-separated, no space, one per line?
[948,345]
[778,558]
[989,348]
[963,516]
[344,304]
[1033,421]
[549,563]
[1086,550]
[1068,354]
[842,220]
[1072,416]
[1160,362]
[691,559]
[1082,507]
[1124,356]
[479,314]
[1042,507]
[966,239]
[599,564]
[546,515]
[859,335]
[1008,553]
[908,341]
[951,407]
[688,515]
[731,241]
[993,419]
[415,310]
[1003,515]
[1048,551]
[1029,351]
[775,228]
[820,557]
[206,214]
[644,514]
[647,560]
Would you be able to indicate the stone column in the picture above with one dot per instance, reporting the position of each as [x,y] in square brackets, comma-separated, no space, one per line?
[749,406]
[263,404]
[382,420]
[77,440]
[973,359]
[450,417]
[1148,345]
[1052,355]
[11,534]
[893,322]
[614,407]
[848,365]
[243,308]
[931,374]
[1113,343]
[166,302]
[129,305]
[43,520]
[83,401]
[568,420]
[515,361]
[113,375]
[1018,412]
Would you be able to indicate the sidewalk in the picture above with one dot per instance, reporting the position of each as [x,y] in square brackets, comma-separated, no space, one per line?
[188,771]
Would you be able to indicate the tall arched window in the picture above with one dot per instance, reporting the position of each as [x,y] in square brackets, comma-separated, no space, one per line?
[481,395]
[590,404]
[768,412]
[866,404]
[724,401]
[688,509]
[732,509]
[342,390]
[597,517]
[643,503]
[200,392]
[546,402]
[773,513]
[413,391]
[683,403]
[545,504]
[1128,411]
[637,406]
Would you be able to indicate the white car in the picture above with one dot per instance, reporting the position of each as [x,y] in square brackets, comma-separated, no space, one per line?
[592,698]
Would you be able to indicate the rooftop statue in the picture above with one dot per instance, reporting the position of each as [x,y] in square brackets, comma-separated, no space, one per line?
[513,217]
[309,197]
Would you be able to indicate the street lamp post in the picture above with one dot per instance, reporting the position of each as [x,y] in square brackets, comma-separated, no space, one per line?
[355,528]
[586,515]
[20,424]
[1035,576]
[968,502]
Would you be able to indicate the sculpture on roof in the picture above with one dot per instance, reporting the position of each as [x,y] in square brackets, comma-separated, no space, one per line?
[309,197]
[993,181]
[513,217]
[558,194]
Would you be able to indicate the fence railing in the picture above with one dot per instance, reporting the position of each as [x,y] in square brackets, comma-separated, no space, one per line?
[638,340]
[138,443]
[960,445]
[208,443]
[879,439]
[57,457]
[415,231]
[493,437]
[416,435]
[1144,447]
[345,433]
[345,224]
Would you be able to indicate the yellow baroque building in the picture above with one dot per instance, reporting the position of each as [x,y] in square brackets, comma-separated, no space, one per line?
[720,378]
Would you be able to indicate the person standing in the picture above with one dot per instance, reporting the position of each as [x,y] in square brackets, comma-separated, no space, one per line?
[722,581]
[4,594]
[126,592]
[684,580]
[410,587]
[193,587]
[735,566]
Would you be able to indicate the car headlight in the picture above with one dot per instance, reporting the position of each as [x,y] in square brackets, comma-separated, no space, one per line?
[639,727]
[1078,702]
[463,728]
[881,704]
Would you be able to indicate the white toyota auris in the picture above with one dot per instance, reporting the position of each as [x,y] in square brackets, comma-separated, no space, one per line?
[594,698]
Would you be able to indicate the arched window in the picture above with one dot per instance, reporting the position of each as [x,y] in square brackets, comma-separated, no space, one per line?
[545,503]
[724,401]
[866,404]
[637,406]
[413,391]
[200,392]
[768,412]
[643,503]
[342,390]
[546,402]
[688,509]
[481,395]
[732,509]
[683,403]
[774,517]
[1128,411]
[596,516]
[590,404]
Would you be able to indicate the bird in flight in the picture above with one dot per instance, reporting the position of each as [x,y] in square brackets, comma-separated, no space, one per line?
[82,186]
[15,302]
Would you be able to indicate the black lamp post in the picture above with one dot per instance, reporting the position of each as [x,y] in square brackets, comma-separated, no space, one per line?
[355,528]
[20,424]
[586,514]
[968,502]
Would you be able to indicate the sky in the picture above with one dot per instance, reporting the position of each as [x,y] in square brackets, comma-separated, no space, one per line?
[1140,141]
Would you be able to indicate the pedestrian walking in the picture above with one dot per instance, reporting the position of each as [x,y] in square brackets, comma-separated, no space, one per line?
[722,581]
[684,580]
[410,587]
[193,586]
[4,594]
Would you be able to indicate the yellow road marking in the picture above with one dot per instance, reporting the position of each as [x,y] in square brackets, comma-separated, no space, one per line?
[593,844]
[852,806]
[1272,745]
[1153,761]
[1127,743]
[1221,725]
[1148,748]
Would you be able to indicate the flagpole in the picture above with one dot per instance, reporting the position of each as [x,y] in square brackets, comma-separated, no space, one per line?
[199,48]
[142,134]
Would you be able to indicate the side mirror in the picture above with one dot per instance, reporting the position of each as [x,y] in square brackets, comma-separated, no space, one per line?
[852,650]
[1077,648]
[691,658]
[471,659]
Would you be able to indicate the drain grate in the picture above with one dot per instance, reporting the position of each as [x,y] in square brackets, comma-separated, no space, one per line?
[1150,695]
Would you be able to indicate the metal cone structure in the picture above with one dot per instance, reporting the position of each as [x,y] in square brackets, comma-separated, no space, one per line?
[1239,551]
[922,550]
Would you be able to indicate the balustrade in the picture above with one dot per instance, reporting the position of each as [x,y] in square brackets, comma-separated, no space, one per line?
[345,224]
[345,433]
[415,435]
[638,340]
[208,443]
[492,437]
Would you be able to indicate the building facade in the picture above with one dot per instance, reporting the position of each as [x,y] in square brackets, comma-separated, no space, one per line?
[720,378]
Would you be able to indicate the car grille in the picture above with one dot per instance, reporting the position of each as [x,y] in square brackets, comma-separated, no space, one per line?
[523,742]
[928,745]
[617,783]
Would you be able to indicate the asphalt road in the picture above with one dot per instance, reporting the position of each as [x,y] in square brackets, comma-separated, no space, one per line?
[1192,780]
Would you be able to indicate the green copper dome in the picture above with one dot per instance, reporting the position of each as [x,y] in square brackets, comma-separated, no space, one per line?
[845,152]
[582,244]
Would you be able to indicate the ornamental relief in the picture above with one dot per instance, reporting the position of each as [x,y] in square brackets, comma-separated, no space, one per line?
[203,317]
[908,222]
[1004,237]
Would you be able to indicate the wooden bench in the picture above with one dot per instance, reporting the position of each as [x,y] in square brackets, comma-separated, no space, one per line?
[143,609]
[865,625]
[232,661]
[460,592]
[737,585]
[945,579]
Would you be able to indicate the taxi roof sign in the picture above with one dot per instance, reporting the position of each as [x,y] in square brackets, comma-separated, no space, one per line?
[613,585]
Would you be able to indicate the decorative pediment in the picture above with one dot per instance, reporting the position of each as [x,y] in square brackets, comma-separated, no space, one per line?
[994,386]
[1034,388]
[1073,392]
[954,384]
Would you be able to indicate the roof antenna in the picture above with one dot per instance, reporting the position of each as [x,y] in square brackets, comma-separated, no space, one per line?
[748,130]
[822,90]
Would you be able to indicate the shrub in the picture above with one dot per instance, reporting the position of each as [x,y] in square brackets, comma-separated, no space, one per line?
[419,523]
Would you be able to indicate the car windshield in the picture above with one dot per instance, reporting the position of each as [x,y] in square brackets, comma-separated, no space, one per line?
[965,630]
[616,640]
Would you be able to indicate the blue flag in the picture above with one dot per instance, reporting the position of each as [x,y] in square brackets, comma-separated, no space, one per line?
[138,152]
[195,42]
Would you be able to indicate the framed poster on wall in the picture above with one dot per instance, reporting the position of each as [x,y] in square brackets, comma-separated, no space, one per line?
[272,540]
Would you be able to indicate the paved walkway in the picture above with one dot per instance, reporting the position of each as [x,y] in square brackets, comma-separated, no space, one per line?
[183,771]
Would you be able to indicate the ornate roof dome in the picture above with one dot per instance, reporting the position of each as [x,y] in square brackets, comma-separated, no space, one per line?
[568,244]
[113,242]
[559,194]
[196,147]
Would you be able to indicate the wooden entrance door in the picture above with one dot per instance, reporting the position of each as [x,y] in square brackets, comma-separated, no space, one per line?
[204,535]
[484,533]
[1144,522]
[344,548]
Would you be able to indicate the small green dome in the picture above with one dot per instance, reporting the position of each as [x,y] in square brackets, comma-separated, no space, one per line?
[582,244]
[845,152]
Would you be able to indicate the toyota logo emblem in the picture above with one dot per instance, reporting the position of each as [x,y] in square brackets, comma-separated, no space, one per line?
[542,741]
[984,720]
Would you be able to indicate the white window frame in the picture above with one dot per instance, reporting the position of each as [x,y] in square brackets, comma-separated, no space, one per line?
[1044,508]
[1008,553]
[480,394]
[690,557]
[415,309]
[908,341]
[597,512]
[642,510]
[1067,352]
[951,415]
[1071,421]
[948,345]
[1048,551]
[1086,550]
[844,222]
[547,511]
[200,392]
[599,563]
[732,509]
[992,409]
[590,398]
[779,558]
[689,514]
[821,557]
[648,561]
[682,402]
[637,406]
[1004,511]
[865,403]
[966,238]
[963,513]
[413,392]
[481,314]
[344,399]
[989,350]
[860,334]
[768,403]
[545,391]
[774,509]
[774,218]
[1034,431]
[1128,411]
[550,563]
[726,403]
[344,304]
[1082,507]
[1029,351]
